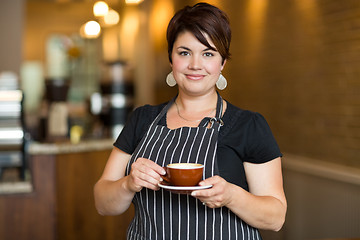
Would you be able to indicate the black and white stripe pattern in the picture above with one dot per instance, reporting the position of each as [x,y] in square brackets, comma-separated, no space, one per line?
[165,215]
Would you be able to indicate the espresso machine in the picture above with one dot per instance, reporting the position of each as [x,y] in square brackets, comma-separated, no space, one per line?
[12,143]
[57,127]
[115,100]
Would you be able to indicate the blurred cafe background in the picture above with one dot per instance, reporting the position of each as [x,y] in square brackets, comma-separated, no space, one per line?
[70,73]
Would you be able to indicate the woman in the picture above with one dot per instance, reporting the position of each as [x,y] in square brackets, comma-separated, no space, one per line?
[242,160]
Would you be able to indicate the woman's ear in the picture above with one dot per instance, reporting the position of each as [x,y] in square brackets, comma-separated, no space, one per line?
[223,64]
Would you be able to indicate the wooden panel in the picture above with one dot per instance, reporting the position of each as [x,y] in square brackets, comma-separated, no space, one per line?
[31,216]
[62,204]
[77,217]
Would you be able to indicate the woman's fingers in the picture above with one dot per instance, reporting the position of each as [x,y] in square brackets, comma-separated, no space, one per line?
[146,173]
[214,197]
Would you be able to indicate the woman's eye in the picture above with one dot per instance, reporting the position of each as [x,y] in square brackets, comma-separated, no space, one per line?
[184,53]
[208,54]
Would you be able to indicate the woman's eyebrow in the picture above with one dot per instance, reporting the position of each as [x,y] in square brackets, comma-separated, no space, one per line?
[188,49]
[206,49]
[209,49]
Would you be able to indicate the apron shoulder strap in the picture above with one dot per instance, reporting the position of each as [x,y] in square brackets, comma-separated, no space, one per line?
[216,121]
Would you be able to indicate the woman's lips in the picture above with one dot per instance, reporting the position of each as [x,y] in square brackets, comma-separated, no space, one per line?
[194,76]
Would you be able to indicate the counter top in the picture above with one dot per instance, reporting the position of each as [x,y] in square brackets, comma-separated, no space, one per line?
[36,148]
[16,187]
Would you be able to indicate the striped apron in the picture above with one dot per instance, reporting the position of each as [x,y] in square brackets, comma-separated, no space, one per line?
[166,215]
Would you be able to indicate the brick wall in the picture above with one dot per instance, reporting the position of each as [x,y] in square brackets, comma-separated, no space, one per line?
[298,63]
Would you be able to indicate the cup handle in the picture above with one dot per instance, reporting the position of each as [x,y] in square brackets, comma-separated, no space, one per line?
[165,177]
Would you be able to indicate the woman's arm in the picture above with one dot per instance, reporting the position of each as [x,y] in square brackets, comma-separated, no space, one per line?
[264,207]
[114,191]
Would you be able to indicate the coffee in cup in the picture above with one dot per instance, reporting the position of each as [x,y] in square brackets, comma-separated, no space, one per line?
[183,174]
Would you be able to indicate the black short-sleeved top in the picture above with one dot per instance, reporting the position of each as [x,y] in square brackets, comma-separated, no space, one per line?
[245,137]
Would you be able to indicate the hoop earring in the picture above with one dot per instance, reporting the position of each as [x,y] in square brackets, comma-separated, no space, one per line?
[170,80]
[221,82]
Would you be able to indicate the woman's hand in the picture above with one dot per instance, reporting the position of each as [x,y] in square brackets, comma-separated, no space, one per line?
[264,206]
[114,191]
[217,196]
[145,173]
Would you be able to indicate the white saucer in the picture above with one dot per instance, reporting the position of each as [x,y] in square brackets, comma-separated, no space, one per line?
[183,189]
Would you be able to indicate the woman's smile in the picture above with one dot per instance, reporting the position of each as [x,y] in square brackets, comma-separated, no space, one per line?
[195,77]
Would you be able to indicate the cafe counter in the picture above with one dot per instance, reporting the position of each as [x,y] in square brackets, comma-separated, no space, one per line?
[67,147]
[57,202]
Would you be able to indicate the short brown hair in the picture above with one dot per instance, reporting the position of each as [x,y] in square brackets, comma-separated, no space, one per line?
[201,19]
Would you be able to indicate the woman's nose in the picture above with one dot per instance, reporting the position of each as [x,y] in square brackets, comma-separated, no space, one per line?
[195,63]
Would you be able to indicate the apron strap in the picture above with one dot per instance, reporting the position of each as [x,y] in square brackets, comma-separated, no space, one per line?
[216,121]
[163,111]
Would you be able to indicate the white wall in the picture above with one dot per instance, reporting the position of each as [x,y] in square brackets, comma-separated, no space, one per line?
[323,200]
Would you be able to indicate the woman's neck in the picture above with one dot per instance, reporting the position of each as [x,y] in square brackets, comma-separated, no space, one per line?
[189,111]
[196,104]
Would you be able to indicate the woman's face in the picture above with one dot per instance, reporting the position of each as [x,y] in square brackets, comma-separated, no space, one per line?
[196,68]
